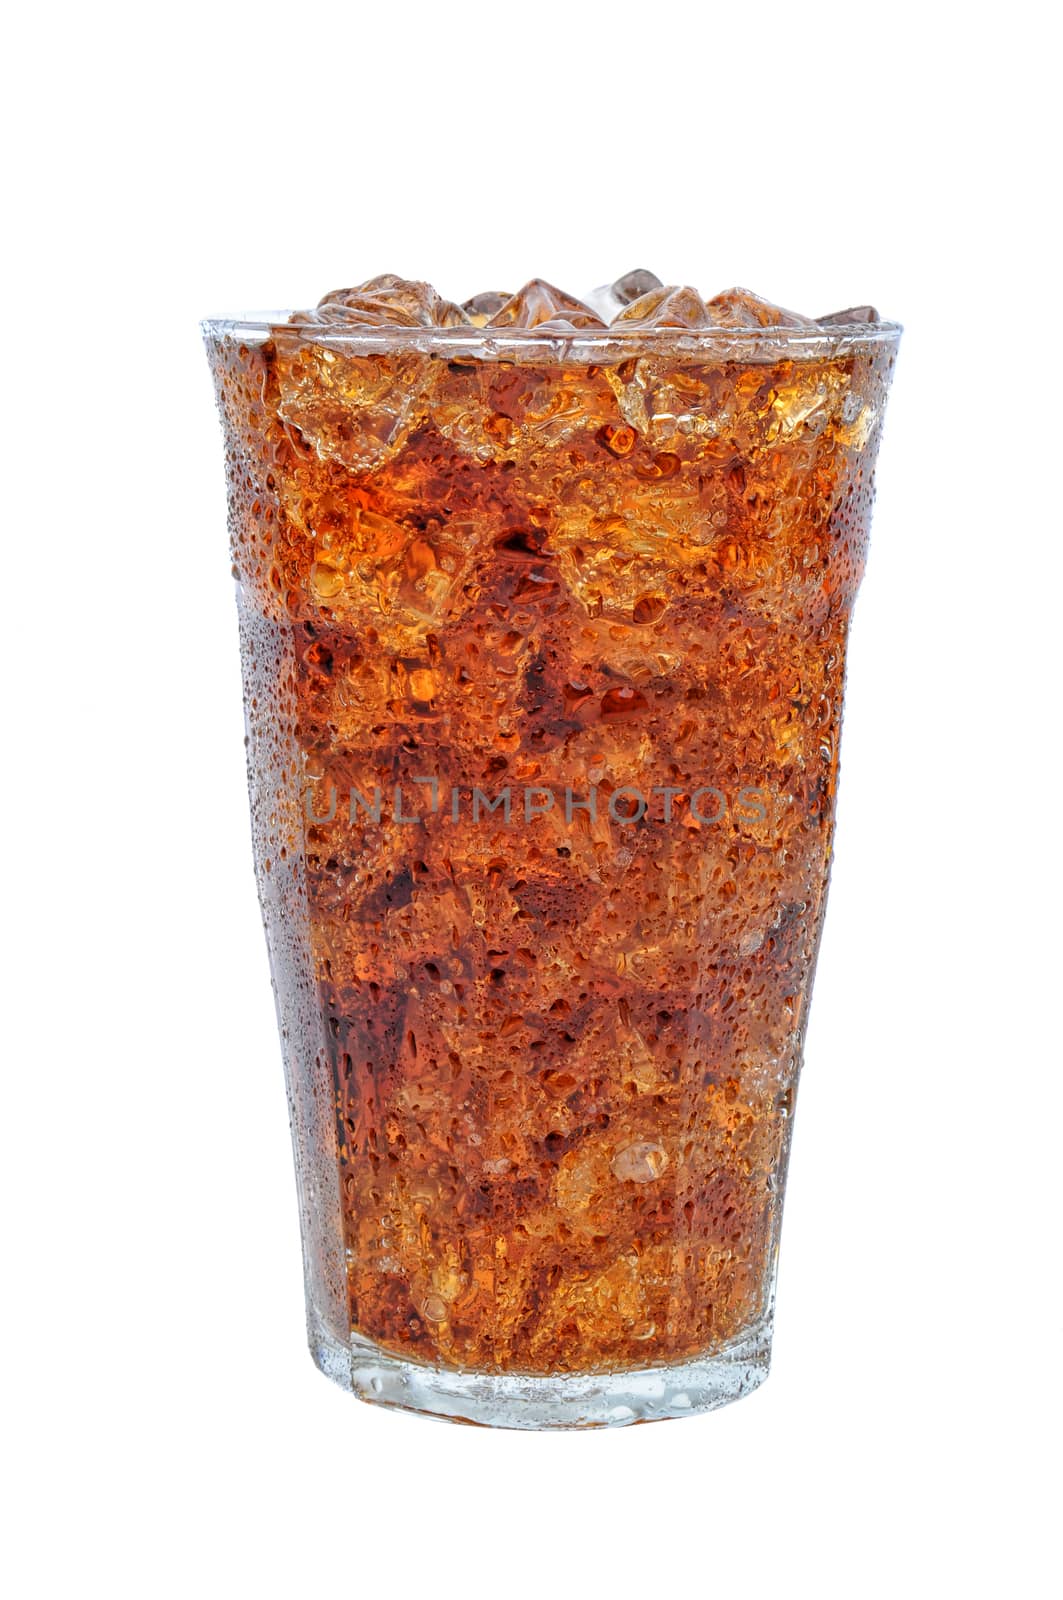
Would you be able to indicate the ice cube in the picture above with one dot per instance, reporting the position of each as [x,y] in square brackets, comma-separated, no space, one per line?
[482,307]
[611,298]
[385,302]
[641,1162]
[356,410]
[633,285]
[541,305]
[665,307]
[738,308]
[835,319]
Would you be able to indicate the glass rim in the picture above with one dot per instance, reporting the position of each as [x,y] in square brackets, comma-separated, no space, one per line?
[590,345]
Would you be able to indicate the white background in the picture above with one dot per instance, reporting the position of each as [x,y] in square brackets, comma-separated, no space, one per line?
[168,1434]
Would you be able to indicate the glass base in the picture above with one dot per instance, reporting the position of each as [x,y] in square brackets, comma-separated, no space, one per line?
[569,1400]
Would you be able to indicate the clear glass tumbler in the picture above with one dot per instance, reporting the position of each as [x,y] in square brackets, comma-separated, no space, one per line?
[543,626]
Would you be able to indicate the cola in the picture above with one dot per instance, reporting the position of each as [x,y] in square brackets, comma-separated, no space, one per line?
[544,607]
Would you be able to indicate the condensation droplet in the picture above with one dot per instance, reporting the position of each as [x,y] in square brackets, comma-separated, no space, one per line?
[326,580]
[434,1308]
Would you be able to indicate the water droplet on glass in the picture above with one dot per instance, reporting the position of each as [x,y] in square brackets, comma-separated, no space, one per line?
[434,1308]
[326,580]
